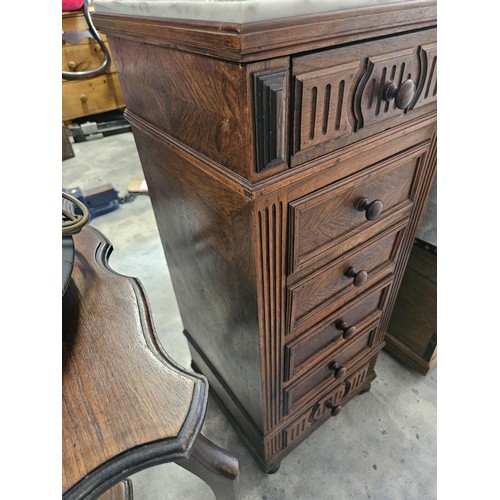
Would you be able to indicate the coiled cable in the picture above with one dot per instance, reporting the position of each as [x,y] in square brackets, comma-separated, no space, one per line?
[73,223]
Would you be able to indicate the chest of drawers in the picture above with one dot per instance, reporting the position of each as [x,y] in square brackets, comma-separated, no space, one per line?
[91,96]
[288,162]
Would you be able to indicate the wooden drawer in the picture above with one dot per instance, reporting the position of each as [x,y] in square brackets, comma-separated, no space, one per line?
[325,218]
[313,298]
[315,415]
[321,410]
[87,97]
[332,370]
[345,94]
[337,330]
[83,57]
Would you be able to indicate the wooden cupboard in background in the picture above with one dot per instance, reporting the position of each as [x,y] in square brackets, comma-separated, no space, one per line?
[82,98]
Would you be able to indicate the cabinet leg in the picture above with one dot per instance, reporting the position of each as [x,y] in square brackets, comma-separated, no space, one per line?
[274,468]
[366,388]
[217,467]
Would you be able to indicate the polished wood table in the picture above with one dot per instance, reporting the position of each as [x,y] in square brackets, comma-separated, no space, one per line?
[126,405]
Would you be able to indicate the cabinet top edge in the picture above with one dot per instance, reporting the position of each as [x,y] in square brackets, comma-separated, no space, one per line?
[252,41]
[239,11]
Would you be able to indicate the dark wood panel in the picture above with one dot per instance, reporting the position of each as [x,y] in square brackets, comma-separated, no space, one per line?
[316,296]
[203,225]
[341,95]
[210,115]
[335,331]
[321,410]
[323,218]
[412,329]
[332,372]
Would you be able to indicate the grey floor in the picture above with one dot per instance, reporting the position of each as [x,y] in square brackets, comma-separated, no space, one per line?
[381,446]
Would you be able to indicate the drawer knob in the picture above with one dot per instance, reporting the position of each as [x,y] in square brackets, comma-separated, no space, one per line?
[349,331]
[335,408]
[403,95]
[360,277]
[372,209]
[83,98]
[340,371]
[72,65]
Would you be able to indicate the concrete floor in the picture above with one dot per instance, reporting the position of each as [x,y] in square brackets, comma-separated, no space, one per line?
[381,446]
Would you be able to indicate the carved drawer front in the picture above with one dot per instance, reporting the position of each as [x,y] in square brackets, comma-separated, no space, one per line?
[317,413]
[344,94]
[327,217]
[331,371]
[337,330]
[326,406]
[427,91]
[315,297]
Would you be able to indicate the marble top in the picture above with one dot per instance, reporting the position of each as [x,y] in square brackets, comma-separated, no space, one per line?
[231,11]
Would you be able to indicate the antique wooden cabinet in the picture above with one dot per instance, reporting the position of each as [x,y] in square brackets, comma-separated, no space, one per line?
[288,161]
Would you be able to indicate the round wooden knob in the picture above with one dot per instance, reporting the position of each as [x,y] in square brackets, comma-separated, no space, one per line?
[340,371]
[335,408]
[72,65]
[403,95]
[333,365]
[360,277]
[372,209]
[83,98]
[349,331]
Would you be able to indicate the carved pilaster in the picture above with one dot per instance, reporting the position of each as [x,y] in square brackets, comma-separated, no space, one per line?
[272,223]
[270,98]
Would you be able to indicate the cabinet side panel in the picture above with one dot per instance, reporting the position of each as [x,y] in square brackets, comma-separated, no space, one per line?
[204,226]
[195,99]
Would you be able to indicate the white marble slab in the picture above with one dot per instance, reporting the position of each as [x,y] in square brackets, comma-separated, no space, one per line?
[232,11]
